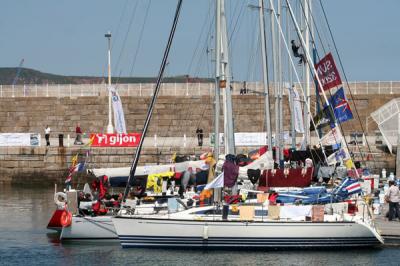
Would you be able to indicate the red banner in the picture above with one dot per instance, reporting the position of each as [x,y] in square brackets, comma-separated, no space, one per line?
[328,73]
[116,140]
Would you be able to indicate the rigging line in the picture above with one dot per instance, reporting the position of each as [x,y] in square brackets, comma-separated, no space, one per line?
[296,74]
[153,100]
[126,37]
[117,33]
[344,73]
[200,36]
[140,38]
[232,34]
[347,82]
[302,11]
[313,40]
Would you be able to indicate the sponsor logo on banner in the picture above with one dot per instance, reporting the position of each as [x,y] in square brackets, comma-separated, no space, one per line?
[116,140]
[19,139]
[328,73]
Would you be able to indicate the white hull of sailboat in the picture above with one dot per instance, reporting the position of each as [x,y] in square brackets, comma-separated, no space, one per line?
[147,232]
[89,228]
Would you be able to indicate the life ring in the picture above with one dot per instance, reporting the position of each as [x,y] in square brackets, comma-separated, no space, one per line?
[66,218]
[60,203]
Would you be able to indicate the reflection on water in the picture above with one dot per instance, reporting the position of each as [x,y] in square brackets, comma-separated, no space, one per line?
[24,240]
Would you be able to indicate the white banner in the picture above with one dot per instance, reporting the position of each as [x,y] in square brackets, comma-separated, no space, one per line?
[119,118]
[333,137]
[19,139]
[250,138]
[296,108]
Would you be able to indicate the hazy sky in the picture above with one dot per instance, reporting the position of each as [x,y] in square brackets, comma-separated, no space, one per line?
[67,36]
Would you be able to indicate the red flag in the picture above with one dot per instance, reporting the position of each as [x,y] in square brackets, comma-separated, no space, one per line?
[328,73]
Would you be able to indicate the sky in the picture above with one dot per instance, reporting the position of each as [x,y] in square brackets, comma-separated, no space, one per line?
[66,37]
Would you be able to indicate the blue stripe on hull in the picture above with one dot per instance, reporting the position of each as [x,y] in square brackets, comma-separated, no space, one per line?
[142,241]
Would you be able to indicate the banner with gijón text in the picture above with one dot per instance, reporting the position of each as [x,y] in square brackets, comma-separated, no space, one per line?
[19,139]
[328,73]
[116,140]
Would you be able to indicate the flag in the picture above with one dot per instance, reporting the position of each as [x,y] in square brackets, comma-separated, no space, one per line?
[119,119]
[217,182]
[74,160]
[348,187]
[79,167]
[341,111]
[328,73]
[341,107]
[296,109]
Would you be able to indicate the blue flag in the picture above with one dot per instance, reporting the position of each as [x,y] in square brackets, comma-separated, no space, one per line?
[341,107]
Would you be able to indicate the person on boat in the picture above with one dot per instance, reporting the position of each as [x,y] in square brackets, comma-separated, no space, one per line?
[295,50]
[231,173]
[393,197]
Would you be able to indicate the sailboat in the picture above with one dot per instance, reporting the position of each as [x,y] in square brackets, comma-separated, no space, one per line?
[251,225]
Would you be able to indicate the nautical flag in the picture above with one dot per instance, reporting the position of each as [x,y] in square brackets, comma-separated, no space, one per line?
[79,167]
[341,107]
[348,187]
[353,188]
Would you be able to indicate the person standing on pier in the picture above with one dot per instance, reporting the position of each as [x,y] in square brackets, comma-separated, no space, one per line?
[47,135]
[199,133]
[78,131]
[393,197]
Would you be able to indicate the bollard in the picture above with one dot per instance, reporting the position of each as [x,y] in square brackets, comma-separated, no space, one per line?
[61,140]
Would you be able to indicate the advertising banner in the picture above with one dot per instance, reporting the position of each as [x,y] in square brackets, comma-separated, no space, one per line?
[328,73]
[115,140]
[19,139]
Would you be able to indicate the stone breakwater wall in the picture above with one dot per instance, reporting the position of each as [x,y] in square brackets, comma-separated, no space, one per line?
[173,117]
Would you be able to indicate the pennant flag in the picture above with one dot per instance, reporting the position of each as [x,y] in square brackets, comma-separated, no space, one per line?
[79,167]
[74,160]
[328,73]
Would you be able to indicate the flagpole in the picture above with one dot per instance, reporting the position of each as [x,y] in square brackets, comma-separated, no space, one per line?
[110,128]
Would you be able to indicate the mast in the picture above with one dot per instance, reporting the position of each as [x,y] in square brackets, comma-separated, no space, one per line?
[217,104]
[265,74]
[153,100]
[307,76]
[276,144]
[225,83]
[291,86]
[280,89]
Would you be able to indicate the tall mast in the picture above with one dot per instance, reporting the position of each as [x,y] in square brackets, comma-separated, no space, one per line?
[273,40]
[225,82]
[290,74]
[306,37]
[217,104]
[265,74]
[280,87]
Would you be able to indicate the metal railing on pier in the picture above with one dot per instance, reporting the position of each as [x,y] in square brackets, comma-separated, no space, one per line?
[172,89]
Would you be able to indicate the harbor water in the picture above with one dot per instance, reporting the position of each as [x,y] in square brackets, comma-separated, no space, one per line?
[24,240]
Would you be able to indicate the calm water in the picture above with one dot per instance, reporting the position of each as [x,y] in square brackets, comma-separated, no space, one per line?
[24,240]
